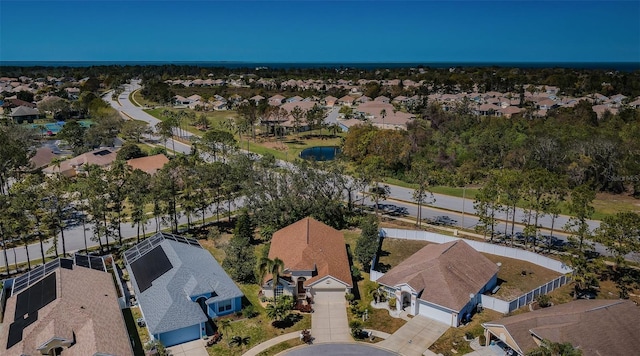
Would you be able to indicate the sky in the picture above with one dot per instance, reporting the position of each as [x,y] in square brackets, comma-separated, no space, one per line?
[321,31]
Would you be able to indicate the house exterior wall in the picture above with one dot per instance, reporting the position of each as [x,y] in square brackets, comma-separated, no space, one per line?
[213,311]
[179,336]
[437,312]
[329,284]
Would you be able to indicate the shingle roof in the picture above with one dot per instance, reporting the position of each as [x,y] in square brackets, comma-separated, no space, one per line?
[597,327]
[86,310]
[166,304]
[102,157]
[444,274]
[24,111]
[309,245]
[149,164]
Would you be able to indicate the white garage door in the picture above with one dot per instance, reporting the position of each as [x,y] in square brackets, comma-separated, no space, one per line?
[430,312]
[330,296]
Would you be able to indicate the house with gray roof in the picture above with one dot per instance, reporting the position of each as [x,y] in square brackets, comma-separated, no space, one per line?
[180,288]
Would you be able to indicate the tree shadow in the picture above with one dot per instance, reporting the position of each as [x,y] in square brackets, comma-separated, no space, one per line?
[287,322]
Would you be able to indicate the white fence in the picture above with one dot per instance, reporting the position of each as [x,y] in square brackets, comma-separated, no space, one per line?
[485,247]
[510,252]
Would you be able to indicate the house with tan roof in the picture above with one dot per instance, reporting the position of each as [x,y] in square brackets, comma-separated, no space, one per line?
[346,100]
[148,164]
[315,261]
[64,309]
[330,101]
[384,115]
[276,100]
[441,281]
[596,327]
[102,157]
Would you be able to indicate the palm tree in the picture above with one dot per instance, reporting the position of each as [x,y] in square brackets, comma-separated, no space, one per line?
[274,268]
[277,312]
[225,325]
[383,113]
[239,341]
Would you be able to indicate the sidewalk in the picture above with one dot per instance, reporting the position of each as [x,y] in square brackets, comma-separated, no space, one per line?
[272,342]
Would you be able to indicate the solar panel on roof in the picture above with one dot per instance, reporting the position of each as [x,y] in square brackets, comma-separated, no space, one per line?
[34,298]
[149,267]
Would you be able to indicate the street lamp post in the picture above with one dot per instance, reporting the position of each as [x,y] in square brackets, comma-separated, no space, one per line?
[464,191]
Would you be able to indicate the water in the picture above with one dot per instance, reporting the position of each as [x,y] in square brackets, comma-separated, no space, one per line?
[621,66]
[320,153]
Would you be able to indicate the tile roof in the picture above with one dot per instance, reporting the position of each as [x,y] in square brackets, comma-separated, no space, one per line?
[443,274]
[149,164]
[597,327]
[166,304]
[86,310]
[309,245]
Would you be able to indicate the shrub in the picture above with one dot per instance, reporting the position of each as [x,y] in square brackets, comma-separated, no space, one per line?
[543,300]
[249,311]
[355,272]
[392,303]
[350,297]
[468,335]
[483,340]
[356,328]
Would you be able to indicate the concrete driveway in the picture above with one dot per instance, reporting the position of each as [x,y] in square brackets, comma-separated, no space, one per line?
[414,337]
[191,348]
[329,319]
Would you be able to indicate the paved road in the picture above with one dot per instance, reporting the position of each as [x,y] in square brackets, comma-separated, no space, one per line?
[339,349]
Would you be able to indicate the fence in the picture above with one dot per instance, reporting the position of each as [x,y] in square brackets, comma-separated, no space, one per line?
[485,247]
[488,301]
[502,306]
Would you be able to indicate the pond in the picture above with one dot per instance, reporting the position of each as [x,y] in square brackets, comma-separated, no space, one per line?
[320,153]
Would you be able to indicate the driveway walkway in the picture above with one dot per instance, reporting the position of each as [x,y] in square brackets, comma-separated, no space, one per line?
[191,348]
[414,337]
[329,319]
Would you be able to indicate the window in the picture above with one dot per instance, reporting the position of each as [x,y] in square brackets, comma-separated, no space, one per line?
[279,290]
[224,306]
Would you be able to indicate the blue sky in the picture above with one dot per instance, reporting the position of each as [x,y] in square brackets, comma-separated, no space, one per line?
[320,31]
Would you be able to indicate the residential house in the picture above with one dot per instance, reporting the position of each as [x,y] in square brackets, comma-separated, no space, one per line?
[384,115]
[148,164]
[43,157]
[276,100]
[64,309]
[363,99]
[257,98]
[23,114]
[102,157]
[382,99]
[441,281]
[180,288]
[595,327]
[219,105]
[509,111]
[346,100]
[315,261]
[294,99]
[330,101]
